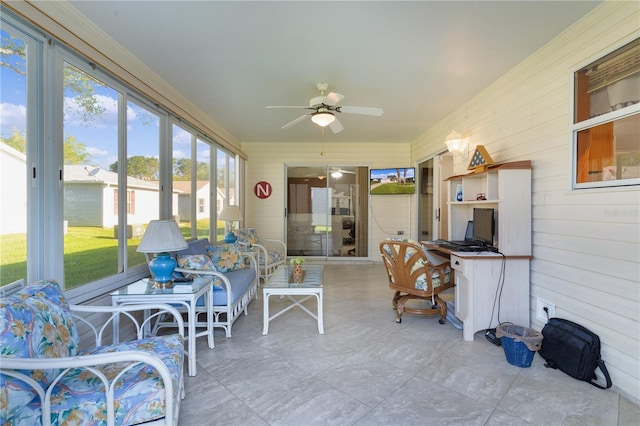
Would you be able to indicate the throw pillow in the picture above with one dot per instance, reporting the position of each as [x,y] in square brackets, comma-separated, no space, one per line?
[195,261]
[226,257]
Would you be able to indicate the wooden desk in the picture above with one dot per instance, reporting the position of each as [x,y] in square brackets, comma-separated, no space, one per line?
[478,281]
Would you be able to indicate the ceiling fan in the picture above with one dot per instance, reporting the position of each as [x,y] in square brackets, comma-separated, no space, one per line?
[337,173]
[323,110]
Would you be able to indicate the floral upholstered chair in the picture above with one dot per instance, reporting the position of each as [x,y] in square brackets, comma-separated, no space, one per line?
[46,378]
[270,253]
[413,276]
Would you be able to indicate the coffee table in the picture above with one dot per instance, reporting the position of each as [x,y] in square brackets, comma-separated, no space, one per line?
[185,294]
[280,284]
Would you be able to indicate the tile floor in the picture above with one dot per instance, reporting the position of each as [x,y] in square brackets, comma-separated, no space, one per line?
[368,370]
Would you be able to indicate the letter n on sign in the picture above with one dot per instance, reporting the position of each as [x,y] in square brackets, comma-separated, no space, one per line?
[263,189]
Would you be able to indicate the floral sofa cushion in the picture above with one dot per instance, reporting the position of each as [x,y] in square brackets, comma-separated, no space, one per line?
[35,323]
[196,261]
[226,257]
[421,281]
[247,236]
[274,256]
[79,396]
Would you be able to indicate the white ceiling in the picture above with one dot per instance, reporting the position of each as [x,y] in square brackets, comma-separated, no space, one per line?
[416,60]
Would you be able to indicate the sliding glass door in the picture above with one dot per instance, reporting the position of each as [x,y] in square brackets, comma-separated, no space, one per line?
[432,200]
[327,211]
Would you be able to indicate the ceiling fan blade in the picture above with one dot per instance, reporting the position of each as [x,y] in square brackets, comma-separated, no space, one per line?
[286,106]
[333,98]
[361,110]
[336,126]
[346,171]
[296,121]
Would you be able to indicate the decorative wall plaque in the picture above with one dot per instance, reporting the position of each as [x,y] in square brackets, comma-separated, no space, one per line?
[480,160]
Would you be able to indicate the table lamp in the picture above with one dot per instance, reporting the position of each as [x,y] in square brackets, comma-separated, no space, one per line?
[231,214]
[162,237]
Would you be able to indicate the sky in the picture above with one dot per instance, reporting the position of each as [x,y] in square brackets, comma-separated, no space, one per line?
[98,134]
[383,173]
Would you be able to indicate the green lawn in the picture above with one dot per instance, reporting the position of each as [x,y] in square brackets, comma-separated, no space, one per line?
[394,188]
[90,253]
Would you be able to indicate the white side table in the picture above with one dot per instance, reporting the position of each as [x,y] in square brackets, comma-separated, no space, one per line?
[185,294]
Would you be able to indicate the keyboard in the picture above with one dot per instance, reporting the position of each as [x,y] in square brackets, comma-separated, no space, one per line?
[457,247]
[462,243]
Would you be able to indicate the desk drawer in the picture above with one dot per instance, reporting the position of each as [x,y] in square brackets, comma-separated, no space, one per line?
[458,264]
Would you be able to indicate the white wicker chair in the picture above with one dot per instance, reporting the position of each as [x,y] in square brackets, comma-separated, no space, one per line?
[271,253]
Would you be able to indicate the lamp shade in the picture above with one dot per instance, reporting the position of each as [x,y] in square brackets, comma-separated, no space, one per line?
[162,236]
[323,119]
[230,213]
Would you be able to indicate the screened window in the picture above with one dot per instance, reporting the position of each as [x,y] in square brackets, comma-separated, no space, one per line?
[607,120]
[226,185]
[142,176]
[203,186]
[13,154]
[84,163]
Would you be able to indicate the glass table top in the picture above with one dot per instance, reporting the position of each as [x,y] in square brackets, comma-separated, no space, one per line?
[148,287]
[282,277]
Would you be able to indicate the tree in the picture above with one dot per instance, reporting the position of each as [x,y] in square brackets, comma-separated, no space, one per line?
[12,46]
[182,169]
[12,56]
[16,141]
[202,171]
[83,86]
[140,167]
[75,152]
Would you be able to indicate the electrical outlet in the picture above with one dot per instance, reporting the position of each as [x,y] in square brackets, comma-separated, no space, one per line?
[541,315]
[400,232]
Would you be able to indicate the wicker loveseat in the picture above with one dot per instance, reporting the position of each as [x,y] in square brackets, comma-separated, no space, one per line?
[235,279]
[46,379]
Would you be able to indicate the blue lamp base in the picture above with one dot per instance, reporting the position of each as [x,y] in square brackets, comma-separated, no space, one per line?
[230,238]
[162,267]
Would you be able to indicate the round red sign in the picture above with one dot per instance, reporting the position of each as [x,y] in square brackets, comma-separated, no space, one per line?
[262,189]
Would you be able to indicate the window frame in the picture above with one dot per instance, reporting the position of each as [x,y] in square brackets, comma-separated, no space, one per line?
[608,117]
[44,153]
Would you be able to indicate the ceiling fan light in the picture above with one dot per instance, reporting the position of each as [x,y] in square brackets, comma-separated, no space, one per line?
[336,174]
[323,119]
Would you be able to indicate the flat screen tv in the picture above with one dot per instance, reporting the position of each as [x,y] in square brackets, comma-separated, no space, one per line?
[393,181]
[483,226]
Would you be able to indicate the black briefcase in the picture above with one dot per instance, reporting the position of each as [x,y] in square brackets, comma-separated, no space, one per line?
[573,349]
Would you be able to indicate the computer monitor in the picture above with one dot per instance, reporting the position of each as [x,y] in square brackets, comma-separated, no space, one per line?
[483,226]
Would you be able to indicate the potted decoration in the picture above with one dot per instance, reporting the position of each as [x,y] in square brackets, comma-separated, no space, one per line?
[296,273]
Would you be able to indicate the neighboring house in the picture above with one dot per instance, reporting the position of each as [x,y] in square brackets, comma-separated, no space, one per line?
[202,199]
[13,215]
[185,199]
[90,195]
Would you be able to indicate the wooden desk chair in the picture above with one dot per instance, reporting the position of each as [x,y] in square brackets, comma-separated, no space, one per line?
[412,276]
